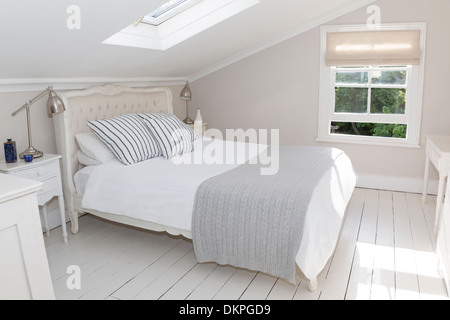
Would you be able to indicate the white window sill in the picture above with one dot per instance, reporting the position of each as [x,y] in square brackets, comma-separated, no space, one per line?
[370,141]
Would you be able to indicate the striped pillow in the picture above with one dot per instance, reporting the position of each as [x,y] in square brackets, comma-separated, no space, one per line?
[174,137]
[127,137]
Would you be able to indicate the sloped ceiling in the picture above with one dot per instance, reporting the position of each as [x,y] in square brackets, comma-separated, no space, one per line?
[36,43]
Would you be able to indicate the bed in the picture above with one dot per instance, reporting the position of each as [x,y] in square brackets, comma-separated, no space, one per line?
[175,187]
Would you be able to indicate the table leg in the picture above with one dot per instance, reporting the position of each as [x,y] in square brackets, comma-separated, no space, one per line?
[63,217]
[439,203]
[45,217]
[425,180]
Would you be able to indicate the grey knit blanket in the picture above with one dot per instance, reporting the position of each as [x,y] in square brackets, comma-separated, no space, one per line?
[247,220]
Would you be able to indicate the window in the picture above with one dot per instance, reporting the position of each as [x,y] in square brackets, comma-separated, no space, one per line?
[176,21]
[167,11]
[371,104]
[370,101]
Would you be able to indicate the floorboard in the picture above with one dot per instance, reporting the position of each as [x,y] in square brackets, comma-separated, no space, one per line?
[386,251]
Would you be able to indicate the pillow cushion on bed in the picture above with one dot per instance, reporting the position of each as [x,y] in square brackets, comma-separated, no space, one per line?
[93,150]
[85,160]
[127,137]
[174,137]
[156,116]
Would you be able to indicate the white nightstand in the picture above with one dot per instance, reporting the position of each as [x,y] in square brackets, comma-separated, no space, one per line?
[200,130]
[437,153]
[47,170]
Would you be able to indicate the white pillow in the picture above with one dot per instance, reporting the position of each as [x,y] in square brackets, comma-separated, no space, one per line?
[93,147]
[174,137]
[127,137]
[85,160]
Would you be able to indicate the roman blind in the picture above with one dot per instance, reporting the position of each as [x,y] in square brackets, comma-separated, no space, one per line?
[373,48]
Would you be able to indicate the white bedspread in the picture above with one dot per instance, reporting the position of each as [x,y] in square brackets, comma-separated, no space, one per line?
[163,192]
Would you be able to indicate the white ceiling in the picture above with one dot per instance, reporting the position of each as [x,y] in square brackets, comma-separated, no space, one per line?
[36,43]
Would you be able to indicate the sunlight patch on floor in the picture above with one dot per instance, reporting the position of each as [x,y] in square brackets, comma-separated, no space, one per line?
[382,277]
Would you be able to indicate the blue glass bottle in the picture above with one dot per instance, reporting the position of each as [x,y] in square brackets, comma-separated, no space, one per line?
[10,151]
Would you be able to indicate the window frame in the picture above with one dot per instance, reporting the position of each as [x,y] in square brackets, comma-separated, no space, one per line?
[180,27]
[155,18]
[370,117]
[414,96]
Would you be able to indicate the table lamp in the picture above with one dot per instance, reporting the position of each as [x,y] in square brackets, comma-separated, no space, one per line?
[54,105]
[186,95]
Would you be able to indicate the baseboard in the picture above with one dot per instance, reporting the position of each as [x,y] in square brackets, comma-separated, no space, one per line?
[400,184]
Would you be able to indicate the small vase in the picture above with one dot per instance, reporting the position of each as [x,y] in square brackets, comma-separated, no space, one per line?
[198,117]
[10,151]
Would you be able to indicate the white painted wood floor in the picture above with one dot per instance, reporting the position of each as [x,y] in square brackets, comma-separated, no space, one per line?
[386,251]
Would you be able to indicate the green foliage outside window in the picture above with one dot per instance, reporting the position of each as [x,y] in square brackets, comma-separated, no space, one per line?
[382,101]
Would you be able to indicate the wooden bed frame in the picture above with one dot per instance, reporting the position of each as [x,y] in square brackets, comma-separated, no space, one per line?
[99,103]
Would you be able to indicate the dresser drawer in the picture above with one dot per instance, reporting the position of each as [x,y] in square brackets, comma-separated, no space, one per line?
[40,173]
[52,187]
[43,198]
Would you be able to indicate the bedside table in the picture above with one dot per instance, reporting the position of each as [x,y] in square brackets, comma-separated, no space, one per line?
[45,169]
[437,153]
[200,130]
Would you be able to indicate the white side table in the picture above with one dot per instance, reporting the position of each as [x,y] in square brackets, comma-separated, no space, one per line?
[200,130]
[438,153]
[47,170]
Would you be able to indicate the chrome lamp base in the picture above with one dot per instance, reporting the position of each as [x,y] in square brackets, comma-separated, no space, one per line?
[188,121]
[31,151]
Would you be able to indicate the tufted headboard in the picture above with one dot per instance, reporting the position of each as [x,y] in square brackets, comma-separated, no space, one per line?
[94,104]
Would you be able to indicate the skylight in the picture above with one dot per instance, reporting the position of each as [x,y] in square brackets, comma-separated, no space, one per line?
[177,20]
[167,11]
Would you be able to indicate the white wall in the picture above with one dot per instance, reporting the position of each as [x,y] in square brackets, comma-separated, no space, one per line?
[278,88]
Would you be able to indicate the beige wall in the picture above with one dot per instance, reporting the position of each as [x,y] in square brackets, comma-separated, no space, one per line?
[279,88]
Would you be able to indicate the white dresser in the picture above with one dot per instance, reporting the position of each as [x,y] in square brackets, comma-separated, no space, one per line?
[438,154]
[443,239]
[24,269]
[47,170]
